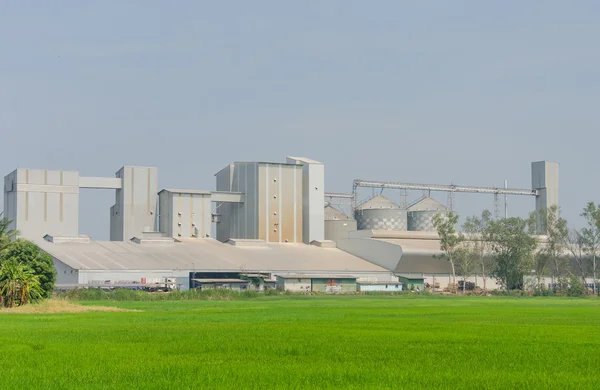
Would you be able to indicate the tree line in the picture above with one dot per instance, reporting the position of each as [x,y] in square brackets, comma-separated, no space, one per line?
[27,273]
[520,252]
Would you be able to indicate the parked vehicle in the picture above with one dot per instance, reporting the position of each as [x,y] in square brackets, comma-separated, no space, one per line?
[159,284]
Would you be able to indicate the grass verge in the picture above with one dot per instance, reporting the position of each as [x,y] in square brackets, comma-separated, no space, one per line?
[54,306]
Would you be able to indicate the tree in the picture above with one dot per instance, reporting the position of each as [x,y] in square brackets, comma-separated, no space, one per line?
[477,242]
[27,253]
[6,233]
[465,261]
[556,241]
[591,236]
[513,248]
[449,240]
[9,282]
[576,246]
[31,289]
[540,266]
[18,284]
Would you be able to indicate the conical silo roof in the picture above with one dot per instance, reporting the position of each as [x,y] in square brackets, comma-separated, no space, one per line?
[379,202]
[333,214]
[427,204]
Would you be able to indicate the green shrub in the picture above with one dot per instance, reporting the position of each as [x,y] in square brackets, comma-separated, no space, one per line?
[576,287]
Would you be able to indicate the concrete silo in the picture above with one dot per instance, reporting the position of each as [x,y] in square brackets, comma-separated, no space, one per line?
[380,213]
[337,224]
[421,213]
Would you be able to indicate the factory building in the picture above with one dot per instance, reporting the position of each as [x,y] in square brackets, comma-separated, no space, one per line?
[411,256]
[379,286]
[325,283]
[270,218]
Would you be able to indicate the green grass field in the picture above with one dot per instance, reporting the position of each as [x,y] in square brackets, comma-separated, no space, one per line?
[309,342]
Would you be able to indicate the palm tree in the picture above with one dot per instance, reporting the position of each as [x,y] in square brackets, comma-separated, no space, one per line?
[6,233]
[31,288]
[10,275]
[18,284]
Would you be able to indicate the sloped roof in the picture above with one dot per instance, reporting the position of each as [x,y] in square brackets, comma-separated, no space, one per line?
[333,214]
[205,255]
[378,202]
[427,204]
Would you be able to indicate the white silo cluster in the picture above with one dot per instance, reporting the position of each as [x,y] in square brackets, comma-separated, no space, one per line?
[380,213]
[421,214]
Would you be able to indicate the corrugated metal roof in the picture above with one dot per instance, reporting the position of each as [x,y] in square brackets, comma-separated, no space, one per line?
[379,202]
[427,204]
[205,255]
[333,214]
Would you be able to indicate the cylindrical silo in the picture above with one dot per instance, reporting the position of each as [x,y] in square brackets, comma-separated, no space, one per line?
[421,213]
[337,224]
[380,213]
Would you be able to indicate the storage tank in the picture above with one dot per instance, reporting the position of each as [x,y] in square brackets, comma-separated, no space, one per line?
[380,213]
[421,213]
[337,224]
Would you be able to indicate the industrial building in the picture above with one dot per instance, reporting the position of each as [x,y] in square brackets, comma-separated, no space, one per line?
[325,283]
[269,218]
[379,287]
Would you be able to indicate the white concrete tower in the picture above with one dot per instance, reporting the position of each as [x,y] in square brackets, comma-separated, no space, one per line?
[313,193]
[41,201]
[544,179]
[135,203]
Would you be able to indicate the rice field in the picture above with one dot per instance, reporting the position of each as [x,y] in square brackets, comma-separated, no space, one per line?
[308,343]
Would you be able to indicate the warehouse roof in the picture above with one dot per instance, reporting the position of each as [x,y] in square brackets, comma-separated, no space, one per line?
[205,254]
[399,255]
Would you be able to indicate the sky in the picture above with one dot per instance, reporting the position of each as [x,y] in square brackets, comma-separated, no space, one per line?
[462,92]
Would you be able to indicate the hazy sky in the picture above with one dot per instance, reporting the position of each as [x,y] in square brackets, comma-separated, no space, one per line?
[468,92]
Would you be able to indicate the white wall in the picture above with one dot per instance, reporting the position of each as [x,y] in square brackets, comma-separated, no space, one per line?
[294,285]
[41,202]
[65,274]
[397,286]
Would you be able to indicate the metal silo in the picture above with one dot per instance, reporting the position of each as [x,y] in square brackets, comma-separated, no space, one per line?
[337,224]
[380,213]
[421,213]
